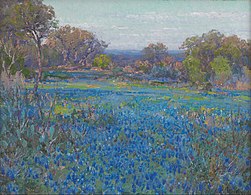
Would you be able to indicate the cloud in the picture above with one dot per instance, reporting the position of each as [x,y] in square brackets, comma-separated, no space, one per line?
[120,27]
[149,16]
[170,29]
[235,15]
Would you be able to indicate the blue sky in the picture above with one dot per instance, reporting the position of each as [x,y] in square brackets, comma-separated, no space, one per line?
[132,24]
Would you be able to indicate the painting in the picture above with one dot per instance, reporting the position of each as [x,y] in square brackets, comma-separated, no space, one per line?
[125,97]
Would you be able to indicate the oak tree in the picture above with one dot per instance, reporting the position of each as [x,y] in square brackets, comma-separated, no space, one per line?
[155,53]
[77,46]
[34,20]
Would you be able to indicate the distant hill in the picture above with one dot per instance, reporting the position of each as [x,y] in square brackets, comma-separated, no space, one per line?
[123,52]
[127,57]
[136,52]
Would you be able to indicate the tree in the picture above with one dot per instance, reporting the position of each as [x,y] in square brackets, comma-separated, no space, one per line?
[52,57]
[222,69]
[246,54]
[214,44]
[102,61]
[155,53]
[13,49]
[203,48]
[194,73]
[75,45]
[236,51]
[11,55]
[34,20]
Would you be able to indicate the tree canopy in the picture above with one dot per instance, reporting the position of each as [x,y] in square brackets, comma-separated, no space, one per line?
[32,20]
[221,68]
[13,43]
[75,45]
[194,72]
[214,48]
[155,52]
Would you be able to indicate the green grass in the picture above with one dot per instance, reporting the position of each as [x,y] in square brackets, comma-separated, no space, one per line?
[178,93]
[243,97]
[65,85]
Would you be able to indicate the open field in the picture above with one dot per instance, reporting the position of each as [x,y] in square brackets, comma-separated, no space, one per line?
[151,139]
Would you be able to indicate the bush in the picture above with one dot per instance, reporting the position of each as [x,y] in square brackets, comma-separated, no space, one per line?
[222,70]
[192,65]
[102,61]
[144,66]
[160,71]
[28,73]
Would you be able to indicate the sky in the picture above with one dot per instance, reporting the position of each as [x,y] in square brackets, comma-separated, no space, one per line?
[133,24]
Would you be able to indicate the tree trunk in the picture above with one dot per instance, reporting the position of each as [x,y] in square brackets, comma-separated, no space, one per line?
[39,60]
[64,53]
[39,64]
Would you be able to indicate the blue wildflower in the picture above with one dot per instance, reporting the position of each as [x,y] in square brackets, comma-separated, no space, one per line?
[50,176]
[201,187]
[123,180]
[35,176]
[10,174]
[2,171]
[153,175]
[220,189]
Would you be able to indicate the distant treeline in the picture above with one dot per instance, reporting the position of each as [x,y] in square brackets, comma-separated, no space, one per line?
[31,39]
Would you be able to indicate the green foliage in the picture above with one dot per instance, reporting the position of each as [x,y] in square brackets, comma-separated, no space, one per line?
[221,68]
[220,65]
[76,46]
[154,53]
[215,44]
[203,48]
[102,61]
[193,69]
[28,72]
[33,20]
[37,27]
[13,61]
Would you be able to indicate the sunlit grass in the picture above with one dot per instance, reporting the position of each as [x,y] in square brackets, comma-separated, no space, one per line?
[183,93]
[65,85]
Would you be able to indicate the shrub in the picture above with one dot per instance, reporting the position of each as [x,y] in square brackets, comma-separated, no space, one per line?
[102,61]
[144,66]
[222,70]
[160,71]
[192,65]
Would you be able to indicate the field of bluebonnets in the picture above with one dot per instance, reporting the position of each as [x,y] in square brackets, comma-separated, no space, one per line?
[129,127]
[118,137]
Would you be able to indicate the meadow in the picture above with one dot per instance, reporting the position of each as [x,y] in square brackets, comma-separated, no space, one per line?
[90,136]
[100,104]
